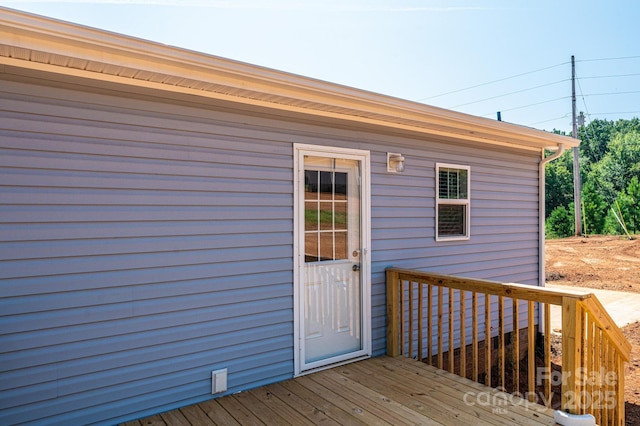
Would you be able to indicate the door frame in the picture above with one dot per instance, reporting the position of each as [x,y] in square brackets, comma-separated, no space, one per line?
[299,151]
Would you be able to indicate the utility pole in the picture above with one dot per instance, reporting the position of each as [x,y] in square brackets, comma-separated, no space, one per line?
[576,162]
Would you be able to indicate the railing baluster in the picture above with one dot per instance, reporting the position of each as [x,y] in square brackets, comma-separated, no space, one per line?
[474,332]
[515,359]
[402,322]
[609,413]
[620,376]
[451,319]
[600,414]
[591,364]
[430,319]
[463,337]
[614,416]
[501,354]
[583,361]
[420,321]
[440,327]
[410,326]
[531,355]
[547,353]
[487,337]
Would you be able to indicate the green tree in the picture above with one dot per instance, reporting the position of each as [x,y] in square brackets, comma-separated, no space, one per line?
[609,161]
[559,183]
[594,139]
[613,173]
[611,224]
[633,191]
[626,126]
[629,202]
[560,223]
[595,209]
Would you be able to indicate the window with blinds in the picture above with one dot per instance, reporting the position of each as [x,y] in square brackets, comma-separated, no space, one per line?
[452,202]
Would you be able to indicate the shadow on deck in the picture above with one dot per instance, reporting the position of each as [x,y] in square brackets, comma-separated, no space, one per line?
[384,391]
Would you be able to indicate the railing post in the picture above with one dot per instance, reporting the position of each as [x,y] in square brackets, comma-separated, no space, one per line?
[571,356]
[620,389]
[393,313]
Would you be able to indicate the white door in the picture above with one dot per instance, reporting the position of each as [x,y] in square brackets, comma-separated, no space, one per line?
[333,309]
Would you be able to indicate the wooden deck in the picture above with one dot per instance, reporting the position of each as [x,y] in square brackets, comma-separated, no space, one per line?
[378,391]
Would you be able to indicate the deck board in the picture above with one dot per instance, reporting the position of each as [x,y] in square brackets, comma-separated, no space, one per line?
[217,413]
[300,405]
[522,413]
[269,399]
[366,413]
[379,391]
[175,418]
[238,411]
[196,416]
[415,395]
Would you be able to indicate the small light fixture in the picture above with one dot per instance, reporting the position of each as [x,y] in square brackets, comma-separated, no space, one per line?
[395,162]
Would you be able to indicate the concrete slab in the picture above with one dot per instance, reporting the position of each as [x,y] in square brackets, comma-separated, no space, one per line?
[624,308]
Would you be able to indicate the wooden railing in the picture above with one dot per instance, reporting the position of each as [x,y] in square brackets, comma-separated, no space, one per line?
[466,326]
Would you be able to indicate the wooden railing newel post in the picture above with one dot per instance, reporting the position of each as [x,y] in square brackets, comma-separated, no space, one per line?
[393,313]
[571,356]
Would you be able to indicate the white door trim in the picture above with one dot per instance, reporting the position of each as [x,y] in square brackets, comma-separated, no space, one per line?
[299,151]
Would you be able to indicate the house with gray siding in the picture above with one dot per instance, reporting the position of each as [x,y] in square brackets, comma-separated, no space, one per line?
[165,214]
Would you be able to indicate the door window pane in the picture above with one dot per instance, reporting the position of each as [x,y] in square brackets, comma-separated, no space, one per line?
[327,211]
[310,185]
[340,216]
[326,246]
[311,247]
[311,216]
[340,186]
[326,185]
[326,216]
[340,241]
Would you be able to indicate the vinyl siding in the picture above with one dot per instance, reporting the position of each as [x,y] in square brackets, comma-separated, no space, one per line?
[139,251]
[504,222]
[145,242]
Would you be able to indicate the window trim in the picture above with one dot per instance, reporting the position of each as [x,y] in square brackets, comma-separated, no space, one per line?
[457,201]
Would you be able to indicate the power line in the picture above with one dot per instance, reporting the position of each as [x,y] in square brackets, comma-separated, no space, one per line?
[529,105]
[586,109]
[613,93]
[510,93]
[616,112]
[546,121]
[610,76]
[602,113]
[609,59]
[583,100]
[493,81]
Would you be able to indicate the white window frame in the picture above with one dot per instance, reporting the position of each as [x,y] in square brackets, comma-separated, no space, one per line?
[465,202]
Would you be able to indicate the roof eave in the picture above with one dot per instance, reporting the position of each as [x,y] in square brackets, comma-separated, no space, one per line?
[36,42]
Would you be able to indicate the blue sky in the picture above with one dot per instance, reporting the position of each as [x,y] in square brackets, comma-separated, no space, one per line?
[412,49]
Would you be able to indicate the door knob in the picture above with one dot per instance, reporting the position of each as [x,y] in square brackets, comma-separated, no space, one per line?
[355,268]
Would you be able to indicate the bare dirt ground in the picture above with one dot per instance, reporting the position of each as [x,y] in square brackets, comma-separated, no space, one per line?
[605,262]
